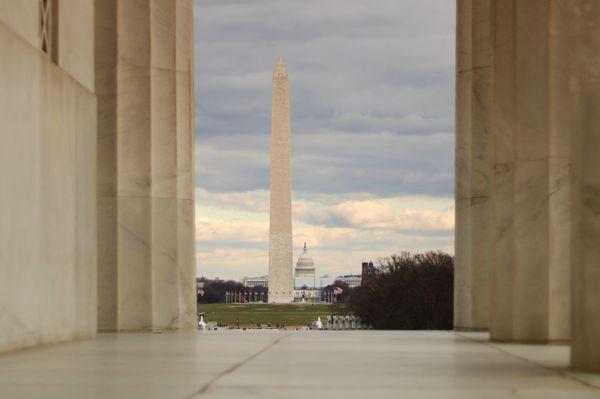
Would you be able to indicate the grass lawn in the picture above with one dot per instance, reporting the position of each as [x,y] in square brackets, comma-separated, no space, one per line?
[250,315]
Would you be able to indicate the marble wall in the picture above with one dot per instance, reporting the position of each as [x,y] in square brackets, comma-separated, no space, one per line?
[96,169]
[47,179]
[145,165]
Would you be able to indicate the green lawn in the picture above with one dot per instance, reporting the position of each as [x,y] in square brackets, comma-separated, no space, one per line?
[250,315]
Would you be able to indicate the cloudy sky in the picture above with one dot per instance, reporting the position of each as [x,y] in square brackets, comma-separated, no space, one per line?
[372,97]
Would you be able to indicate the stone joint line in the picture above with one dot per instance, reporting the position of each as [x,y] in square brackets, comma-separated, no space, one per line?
[559,372]
[205,388]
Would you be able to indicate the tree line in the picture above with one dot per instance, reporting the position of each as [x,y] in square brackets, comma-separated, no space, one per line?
[408,291]
[214,291]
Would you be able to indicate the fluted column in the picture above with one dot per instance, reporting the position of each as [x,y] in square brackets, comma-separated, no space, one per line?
[134,167]
[512,172]
[503,139]
[560,182]
[165,287]
[581,47]
[173,271]
[531,179]
[473,166]
[146,263]
[105,27]
[186,238]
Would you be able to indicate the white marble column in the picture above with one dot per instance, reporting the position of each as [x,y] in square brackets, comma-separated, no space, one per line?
[165,277]
[581,38]
[134,167]
[531,242]
[530,273]
[503,138]
[172,162]
[146,234]
[560,182]
[473,166]
[186,238]
[105,26]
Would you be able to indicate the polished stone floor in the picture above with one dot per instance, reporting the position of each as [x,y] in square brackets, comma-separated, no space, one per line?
[270,364]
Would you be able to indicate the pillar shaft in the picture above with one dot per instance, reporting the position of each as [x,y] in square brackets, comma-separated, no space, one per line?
[512,173]
[581,22]
[134,163]
[530,185]
[145,161]
[473,166]
[503,134]
[561,179]
[530,215]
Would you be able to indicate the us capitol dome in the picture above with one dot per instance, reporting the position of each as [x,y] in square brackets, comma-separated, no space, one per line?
[305,267]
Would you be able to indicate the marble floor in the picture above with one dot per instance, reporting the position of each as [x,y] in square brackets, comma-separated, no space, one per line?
[271,364]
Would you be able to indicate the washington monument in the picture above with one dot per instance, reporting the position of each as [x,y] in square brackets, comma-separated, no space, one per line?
[281,279]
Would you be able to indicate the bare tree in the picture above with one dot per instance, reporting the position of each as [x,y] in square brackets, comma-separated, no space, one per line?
[407,291]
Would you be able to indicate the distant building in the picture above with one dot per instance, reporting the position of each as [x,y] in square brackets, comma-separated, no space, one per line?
[353,280]
[325,280]
[366,270]
[262,281]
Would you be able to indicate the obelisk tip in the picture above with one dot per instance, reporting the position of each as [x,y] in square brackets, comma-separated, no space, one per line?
[280,69]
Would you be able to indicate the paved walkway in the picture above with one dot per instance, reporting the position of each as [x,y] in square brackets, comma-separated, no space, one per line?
[268,364]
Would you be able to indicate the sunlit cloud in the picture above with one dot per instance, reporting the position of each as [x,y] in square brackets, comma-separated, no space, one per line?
[235,227]
[377,214]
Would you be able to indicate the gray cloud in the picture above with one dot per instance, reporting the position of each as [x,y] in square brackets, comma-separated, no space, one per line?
[372,94]
[332,162]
